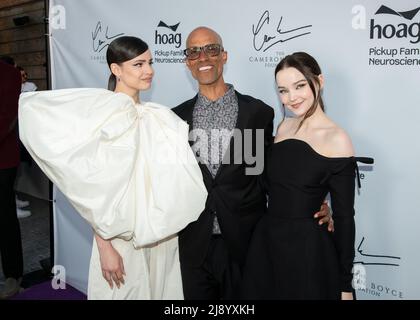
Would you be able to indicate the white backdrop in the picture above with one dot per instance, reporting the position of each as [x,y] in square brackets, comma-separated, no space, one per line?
[369,53]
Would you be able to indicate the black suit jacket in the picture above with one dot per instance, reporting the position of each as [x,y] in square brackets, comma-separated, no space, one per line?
[237,199]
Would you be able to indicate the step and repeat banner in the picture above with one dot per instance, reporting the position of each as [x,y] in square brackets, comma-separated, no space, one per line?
[370,56]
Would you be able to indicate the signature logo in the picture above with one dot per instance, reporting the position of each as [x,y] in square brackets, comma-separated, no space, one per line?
[164,25]
[100,40]
[374,259]
[264,40]
[409,15]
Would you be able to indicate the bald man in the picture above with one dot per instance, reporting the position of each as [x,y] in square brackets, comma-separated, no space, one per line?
[213,249]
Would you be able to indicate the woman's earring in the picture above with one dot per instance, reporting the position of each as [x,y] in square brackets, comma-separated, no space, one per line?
[118,79]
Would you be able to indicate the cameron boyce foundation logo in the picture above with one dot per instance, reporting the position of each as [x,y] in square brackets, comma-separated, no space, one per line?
[374,258]
[269,34]
[169,42]
[101,37]
[389,25]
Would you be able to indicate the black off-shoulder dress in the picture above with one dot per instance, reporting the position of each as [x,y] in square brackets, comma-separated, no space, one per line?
[290,255]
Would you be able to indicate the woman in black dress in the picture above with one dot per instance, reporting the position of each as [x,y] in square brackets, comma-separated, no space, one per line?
[291,256]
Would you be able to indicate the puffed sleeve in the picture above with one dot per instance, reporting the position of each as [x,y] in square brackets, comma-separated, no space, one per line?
[105,155]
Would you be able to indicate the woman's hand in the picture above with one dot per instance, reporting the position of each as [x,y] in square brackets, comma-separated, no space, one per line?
[111,263]
[346,296]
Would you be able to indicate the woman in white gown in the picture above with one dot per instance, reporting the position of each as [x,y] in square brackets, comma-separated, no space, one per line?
[126,167]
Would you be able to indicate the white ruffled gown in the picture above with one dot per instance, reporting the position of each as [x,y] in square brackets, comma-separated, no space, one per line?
[128,170]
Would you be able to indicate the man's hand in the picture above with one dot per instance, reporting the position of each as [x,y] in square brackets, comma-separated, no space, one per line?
[347,296]
[324,214]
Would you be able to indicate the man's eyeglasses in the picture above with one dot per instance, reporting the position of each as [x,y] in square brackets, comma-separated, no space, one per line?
[211,50]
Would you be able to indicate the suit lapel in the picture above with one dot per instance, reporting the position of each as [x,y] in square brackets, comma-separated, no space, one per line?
[243,113]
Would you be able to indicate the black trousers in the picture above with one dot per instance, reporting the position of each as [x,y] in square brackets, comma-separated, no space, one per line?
[218,278]
[10,238]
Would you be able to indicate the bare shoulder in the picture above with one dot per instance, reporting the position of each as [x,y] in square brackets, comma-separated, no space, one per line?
[339,143]
[284,129]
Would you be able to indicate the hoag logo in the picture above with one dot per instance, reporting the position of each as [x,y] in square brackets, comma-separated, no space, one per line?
[401,30]
[165,38]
